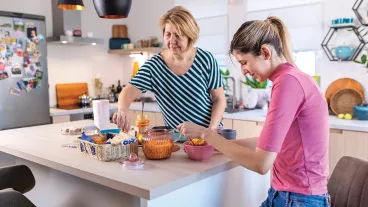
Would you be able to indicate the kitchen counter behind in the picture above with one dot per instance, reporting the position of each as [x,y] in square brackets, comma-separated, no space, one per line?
[256,115]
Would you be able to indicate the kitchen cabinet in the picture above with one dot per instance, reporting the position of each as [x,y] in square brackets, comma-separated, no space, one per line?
[228,123]
[60,119]
[247,129]
[159,120]
[347,143]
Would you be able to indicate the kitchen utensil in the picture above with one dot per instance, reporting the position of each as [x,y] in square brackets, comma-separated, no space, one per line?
[77,33]
[343,52]
[117,43]
[229,134]
[343,83]
[200,153]
[361,111]
[119,31]
[157,144]
[68,94]
[69,33]
[344,100]
[84,100]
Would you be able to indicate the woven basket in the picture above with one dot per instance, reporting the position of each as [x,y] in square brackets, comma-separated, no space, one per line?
[344,100]
[106,152]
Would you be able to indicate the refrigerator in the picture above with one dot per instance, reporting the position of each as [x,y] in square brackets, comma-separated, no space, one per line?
[24,96]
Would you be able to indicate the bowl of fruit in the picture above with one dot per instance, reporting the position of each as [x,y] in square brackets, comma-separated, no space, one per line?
[198,149]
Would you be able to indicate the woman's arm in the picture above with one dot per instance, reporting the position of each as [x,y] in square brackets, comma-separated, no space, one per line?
[218,107]
[257,160]
[250,143]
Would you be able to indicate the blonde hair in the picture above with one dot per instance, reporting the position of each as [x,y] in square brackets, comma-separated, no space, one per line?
[253,34]
[183,22]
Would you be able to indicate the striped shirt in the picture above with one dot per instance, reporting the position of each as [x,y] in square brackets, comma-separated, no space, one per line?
[181,98]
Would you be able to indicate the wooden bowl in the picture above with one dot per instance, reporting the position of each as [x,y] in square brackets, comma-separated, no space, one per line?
[344,100]
[341,84]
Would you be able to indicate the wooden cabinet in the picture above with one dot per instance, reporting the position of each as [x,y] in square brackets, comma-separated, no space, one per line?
[347,143]
[159,120]
[247,129]
[228,123]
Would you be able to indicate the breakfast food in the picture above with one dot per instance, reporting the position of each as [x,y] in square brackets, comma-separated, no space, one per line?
[197,142]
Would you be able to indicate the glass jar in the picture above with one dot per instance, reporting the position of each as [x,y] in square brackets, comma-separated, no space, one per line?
[143,124]
[157,144]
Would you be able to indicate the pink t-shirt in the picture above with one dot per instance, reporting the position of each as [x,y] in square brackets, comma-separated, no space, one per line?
[297,128]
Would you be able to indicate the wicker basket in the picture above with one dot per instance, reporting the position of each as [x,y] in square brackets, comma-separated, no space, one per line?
[106,152]
[344,100]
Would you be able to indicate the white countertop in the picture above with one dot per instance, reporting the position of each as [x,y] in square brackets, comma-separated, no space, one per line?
[251,115]
[42,145]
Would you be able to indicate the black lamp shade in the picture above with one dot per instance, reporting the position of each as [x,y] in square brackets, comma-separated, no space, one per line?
[70,4]
[112,9]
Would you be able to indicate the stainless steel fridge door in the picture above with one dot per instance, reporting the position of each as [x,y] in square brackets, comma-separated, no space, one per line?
[29,108]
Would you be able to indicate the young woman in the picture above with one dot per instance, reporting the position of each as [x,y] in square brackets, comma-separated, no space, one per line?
[185,80]
[294,140]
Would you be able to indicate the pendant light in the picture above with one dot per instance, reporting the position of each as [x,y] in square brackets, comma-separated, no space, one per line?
[112,9]
[70,4]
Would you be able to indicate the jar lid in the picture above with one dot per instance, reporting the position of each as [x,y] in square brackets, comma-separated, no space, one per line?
[132,162]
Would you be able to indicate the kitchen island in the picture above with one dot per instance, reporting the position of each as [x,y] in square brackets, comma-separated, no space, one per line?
[65,177]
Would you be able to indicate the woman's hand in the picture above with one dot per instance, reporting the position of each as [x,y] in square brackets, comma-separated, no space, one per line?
[122,119]
[191,130]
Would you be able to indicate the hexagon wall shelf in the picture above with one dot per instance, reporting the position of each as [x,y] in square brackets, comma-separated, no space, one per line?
[358,14]
[333,31]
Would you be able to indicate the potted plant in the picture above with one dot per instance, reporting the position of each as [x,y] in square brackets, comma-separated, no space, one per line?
[260,88]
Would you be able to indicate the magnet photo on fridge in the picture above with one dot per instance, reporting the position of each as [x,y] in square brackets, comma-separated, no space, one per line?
[4,75]
[32,35]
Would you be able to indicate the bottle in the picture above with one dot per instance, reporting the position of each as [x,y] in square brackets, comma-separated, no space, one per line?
[135,68]
[113,89]
[119,88]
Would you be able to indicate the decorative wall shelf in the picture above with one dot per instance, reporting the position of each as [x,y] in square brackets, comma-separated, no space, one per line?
[330,34]
[136,51]
[358,14]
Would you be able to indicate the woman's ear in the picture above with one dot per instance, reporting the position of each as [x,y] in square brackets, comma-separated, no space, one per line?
[266,52]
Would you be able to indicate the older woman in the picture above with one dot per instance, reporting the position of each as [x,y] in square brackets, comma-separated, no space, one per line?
[185,80]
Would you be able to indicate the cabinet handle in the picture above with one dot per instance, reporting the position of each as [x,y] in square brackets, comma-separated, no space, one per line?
[336,131]
[259,123]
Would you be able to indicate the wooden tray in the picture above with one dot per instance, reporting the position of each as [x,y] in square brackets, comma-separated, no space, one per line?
[344,101]
[343,83]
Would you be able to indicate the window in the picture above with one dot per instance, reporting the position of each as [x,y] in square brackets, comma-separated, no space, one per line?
[306,61]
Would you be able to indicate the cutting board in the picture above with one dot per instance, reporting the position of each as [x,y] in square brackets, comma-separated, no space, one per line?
[343,83]
[68,94]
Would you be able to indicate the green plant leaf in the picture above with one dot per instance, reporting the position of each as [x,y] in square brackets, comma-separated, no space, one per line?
[250,83]
[363,58]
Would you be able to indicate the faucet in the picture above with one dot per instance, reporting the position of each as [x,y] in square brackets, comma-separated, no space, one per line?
[233,102]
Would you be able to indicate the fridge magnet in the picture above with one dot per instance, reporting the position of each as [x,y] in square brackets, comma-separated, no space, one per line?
[38,65]
[6,25]
[38,88]
[36,56]
[16,71]
[2,65]
[18,28]
[21,44]
[39,74]
[19,52]
[40,37]
[30,25]
[32,35]
[2,50]
[29,83]
[9,61]
[26,60]
[30,70]
[15,92]
[4,75]
[21,85]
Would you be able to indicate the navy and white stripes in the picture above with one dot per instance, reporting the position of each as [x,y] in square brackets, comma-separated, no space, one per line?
[181,98]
